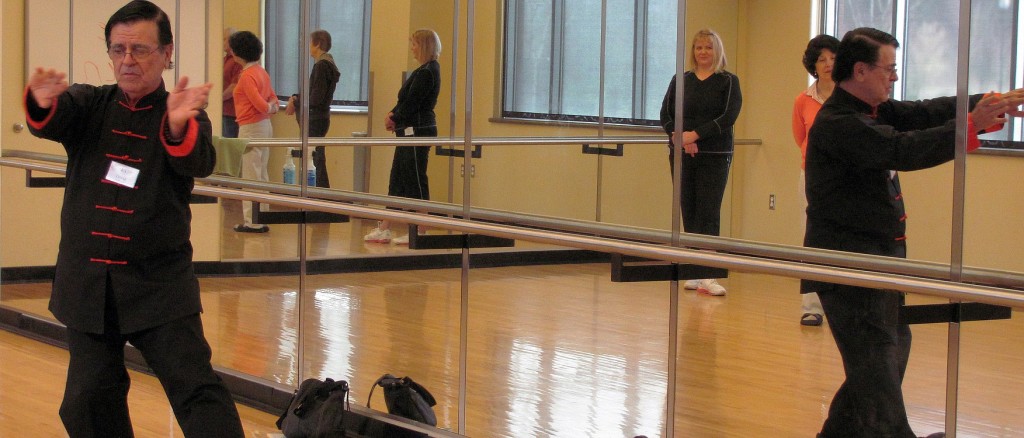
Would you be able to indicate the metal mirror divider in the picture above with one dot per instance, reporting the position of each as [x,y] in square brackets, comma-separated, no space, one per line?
[991,301]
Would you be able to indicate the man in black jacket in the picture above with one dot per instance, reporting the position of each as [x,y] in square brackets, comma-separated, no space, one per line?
[124,270]
[860,139]
[322,82]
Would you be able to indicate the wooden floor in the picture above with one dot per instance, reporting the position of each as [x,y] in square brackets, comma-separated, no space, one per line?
[554,351]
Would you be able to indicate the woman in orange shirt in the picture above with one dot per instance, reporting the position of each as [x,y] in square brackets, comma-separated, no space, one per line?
[819,57]
[255,102]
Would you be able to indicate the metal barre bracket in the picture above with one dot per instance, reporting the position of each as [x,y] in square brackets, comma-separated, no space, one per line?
[626,269]
[44,181]
[597,150]
[478,151]
[455,241]
[952,312]
[295,216]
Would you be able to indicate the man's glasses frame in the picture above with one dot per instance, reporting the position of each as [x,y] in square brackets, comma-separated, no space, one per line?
[139,52]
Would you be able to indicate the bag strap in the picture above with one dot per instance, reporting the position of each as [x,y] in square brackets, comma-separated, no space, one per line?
[329,386]
[427,397]
[376,384]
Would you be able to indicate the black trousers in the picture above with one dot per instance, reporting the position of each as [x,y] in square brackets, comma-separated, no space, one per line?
[409,168]
[704,177]
[318,128]
[875,349]
[95,401]
[229,127]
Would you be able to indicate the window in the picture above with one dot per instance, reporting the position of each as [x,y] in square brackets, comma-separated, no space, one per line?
[349,25]
[928,31]
[553,60]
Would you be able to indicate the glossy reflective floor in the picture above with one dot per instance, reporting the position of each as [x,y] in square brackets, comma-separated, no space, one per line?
[558,351]
[32,382]
[554,351]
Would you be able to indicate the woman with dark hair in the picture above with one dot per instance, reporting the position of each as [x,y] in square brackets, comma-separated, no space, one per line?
[413,116]
[711,104]
[255,102]
[819,57]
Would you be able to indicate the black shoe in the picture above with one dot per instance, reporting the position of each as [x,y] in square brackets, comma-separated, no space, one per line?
[243,228]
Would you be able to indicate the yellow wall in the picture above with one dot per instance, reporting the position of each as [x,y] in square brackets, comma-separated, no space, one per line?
[30,218]
[559,180]
[771,75]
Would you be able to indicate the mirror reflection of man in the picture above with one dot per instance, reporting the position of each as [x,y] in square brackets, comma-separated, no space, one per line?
[859,140]
[124,270]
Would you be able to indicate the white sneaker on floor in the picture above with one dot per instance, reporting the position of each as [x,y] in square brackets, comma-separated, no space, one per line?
[378,236]
[691,284]
[401,240]
[711,287]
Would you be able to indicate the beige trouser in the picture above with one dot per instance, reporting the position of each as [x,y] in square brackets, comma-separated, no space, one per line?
[254,159]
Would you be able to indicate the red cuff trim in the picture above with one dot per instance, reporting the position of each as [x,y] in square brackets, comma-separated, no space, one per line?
[972,135]
[40,124]
[187,144]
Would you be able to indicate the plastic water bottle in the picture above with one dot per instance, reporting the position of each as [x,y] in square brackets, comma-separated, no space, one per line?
[288,173]
[311,174]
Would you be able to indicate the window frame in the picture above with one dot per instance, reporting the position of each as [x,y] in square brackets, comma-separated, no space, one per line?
[641,86]
[828,22]
[279,65]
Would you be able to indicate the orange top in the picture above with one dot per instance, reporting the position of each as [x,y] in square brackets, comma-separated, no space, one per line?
[251,95]
[804,109]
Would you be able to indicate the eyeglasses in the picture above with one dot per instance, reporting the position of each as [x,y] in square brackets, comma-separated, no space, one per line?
[139,52]
[890,69]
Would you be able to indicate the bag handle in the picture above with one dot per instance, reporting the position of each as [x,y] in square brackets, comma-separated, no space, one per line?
[379,382]
[420,389]
[427,397]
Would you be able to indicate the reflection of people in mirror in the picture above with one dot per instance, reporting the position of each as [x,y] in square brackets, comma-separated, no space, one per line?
[818,59]
[413,116]
[255,102]
[860,140]
[323,80]
[124,269]
[231,71]
[711,104]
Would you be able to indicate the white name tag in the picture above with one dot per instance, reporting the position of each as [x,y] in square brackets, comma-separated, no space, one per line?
[409,131]
[123,175]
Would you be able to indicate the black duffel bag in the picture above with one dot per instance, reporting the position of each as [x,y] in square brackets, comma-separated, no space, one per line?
[404,398]
[317,410]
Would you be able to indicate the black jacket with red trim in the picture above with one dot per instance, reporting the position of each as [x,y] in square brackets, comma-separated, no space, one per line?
[136,238]
[854,200]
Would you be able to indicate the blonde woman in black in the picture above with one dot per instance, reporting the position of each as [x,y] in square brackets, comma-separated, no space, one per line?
[413,116]
[711,104]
